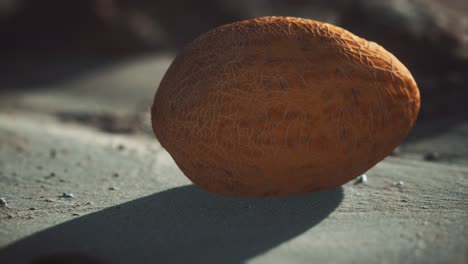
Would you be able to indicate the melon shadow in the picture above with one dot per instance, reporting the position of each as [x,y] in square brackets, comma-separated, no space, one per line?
[180,225]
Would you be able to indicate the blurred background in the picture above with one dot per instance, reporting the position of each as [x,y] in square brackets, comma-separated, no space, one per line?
[46,41]
[50,44]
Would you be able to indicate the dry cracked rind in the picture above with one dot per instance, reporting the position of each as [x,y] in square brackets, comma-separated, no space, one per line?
[281,105]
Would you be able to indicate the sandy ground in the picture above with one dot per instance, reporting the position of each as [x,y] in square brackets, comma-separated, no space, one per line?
[89,135]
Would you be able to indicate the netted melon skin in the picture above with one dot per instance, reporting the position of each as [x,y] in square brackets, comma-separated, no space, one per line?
[279,105]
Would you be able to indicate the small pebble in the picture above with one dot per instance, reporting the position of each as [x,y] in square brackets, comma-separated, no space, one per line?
[432,156]
[68,195]
[120,147]
[115,175]
[400,183]
[361,179]
[113,188]
[53,153]
[3,202]
[49,200]
[75,214]
[33,208]
[10,216]
[52,174]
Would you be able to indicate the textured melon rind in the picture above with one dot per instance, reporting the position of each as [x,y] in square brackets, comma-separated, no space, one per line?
[279,105]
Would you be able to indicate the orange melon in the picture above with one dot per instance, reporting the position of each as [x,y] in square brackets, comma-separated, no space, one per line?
[281,105]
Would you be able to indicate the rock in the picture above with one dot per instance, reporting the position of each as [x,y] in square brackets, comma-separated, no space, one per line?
[361,179]
[3,202]
[68,195]
[432,156]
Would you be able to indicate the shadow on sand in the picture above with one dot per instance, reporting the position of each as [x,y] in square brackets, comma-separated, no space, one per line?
[180,225]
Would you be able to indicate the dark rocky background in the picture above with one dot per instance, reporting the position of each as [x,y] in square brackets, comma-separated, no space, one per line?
[430,37]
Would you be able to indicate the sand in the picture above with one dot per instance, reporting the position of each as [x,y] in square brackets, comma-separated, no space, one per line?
[89,135]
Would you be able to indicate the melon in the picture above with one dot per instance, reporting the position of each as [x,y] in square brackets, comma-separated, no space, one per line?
[280,105]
